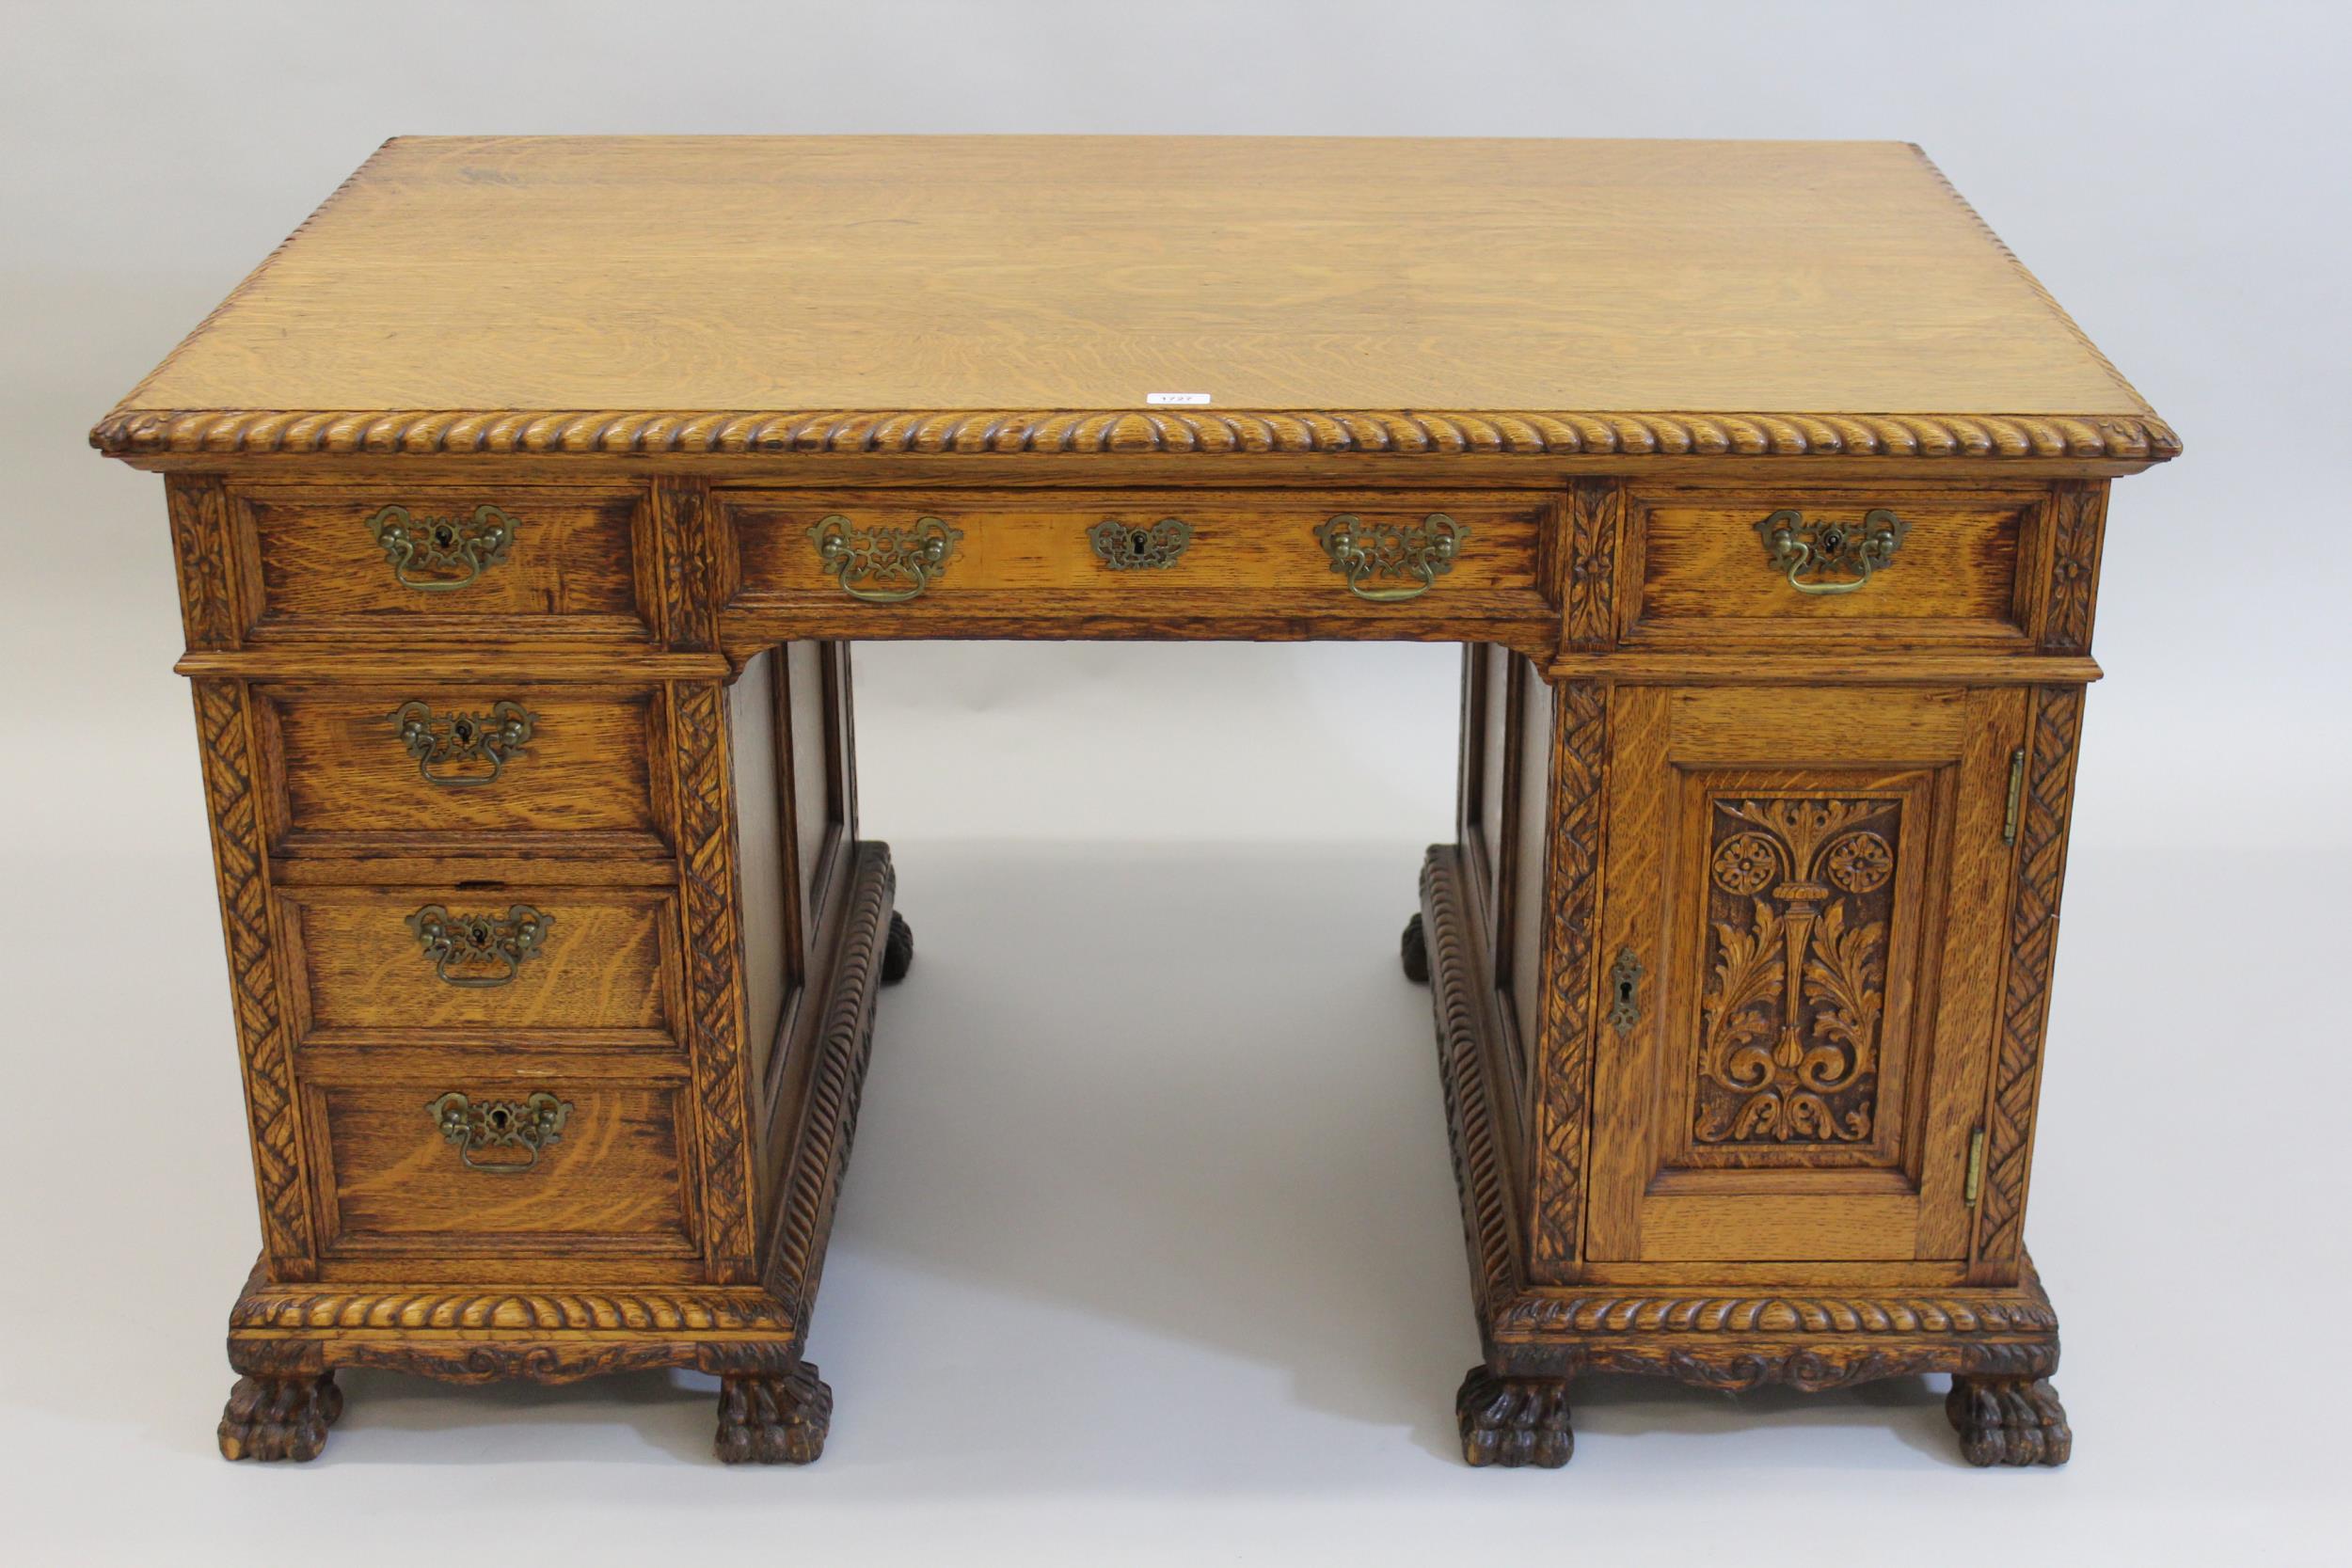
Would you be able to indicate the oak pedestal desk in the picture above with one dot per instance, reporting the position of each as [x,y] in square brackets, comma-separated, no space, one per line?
[527,501]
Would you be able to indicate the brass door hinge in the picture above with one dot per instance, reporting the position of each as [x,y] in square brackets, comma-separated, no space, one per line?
[2016,794]
[1976,1168]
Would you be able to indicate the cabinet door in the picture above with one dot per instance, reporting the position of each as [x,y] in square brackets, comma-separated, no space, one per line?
[1802,909]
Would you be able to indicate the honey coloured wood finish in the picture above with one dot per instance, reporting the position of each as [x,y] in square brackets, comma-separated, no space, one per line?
[527,501]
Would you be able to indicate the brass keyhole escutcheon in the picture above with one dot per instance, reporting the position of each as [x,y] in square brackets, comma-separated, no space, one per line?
[1625,980]
[1127,548]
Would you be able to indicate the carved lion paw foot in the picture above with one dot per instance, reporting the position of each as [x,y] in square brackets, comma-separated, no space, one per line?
[897,950]
[1513,1420]
[773,1421]
[2009,1420]
[279,1417]
[1415,952]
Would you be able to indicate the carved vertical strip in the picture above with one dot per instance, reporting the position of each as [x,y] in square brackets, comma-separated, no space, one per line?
[1479,1174]
[828,1122]
[1588,568]
[1572,883]
[714,971]
[200,538]
[2033,940]
[690,569]
[2078,515]
[224,731]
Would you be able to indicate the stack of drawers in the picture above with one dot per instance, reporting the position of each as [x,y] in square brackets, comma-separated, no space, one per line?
[474,888]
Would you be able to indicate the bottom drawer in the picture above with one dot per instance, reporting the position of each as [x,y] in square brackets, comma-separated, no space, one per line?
[474,1163]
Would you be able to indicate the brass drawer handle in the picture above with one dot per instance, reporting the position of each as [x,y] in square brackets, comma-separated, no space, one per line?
[1127,548]
[462,945]
[529,1125]
[491,738]
[1797,547]
[441,545]
[902,561]
[1363,552]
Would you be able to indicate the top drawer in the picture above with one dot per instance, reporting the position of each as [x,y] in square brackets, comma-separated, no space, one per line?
[934,555]
[402,559]
[1889,565]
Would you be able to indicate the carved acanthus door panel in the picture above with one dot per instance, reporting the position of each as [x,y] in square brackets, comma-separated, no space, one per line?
[1801,917]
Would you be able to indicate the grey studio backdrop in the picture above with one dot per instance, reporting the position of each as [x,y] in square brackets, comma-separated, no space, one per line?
[1149,1250]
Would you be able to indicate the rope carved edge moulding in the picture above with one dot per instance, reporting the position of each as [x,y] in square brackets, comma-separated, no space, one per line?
[884,433]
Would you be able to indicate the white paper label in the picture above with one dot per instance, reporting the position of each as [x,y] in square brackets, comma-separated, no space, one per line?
[1176,397]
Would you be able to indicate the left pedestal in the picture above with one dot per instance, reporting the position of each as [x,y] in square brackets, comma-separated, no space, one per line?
[553,948]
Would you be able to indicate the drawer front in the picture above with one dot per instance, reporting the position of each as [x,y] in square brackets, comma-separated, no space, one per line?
[1720,567]
[469,1160]
[354,560]
[486,766]
[1162,551]
[560,967]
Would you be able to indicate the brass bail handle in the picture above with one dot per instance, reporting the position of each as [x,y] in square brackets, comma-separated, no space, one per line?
[1368,552]
[1797,547]
[459,943]
[442,545]
[493,736]
[884,565]
[529,1125]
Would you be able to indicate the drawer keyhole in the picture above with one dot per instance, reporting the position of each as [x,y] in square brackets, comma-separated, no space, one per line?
[1625,980]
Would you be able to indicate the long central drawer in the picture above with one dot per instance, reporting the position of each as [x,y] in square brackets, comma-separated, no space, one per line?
[905,562]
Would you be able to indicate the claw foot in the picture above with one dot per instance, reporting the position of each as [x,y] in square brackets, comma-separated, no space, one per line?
[1513,1420]
[773,1421]
[279,1417]
[897,950]
[2009,1420]
[1416,953]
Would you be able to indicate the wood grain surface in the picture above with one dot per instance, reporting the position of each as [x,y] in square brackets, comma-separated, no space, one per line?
[673,277]
[396,1185]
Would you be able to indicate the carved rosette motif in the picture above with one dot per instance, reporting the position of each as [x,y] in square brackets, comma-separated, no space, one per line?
[2033,940]
[1588,569]
[2078,518]
[705,847]
[1801,896]
[1579,737]
[690,589]
[1211,432]
[199,505]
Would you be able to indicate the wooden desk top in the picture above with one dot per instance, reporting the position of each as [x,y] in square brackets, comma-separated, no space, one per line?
[993,293]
